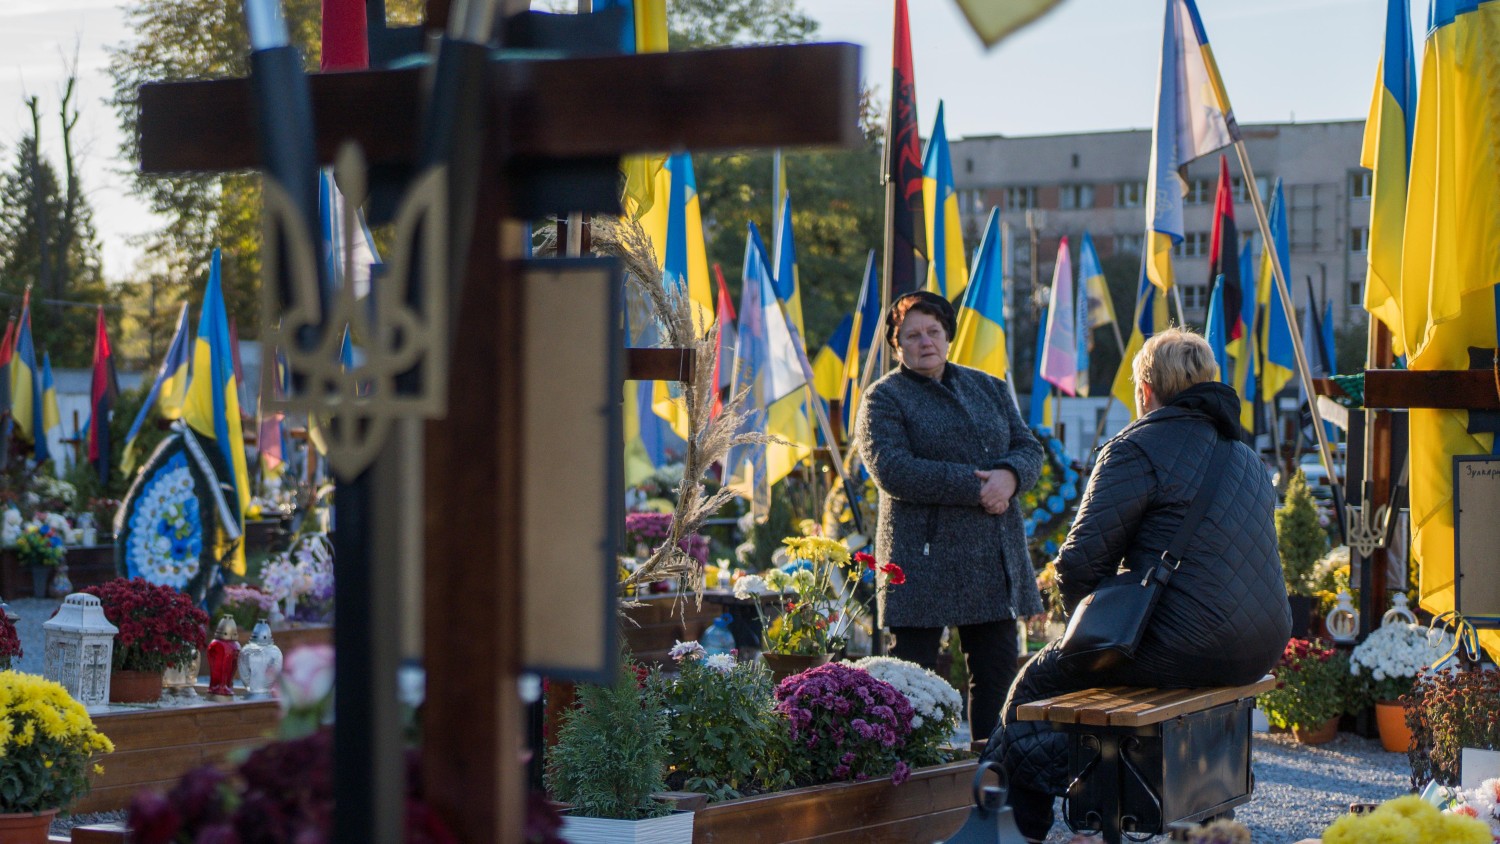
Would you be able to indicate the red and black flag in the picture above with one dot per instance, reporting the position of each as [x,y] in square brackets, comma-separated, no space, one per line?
[103,391]
[7,349]
[1224,255]
[903,166]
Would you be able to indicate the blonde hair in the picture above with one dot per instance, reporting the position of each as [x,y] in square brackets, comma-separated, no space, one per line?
[1172,361]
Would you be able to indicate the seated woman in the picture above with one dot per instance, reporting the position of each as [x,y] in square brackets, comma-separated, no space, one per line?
[1222,619]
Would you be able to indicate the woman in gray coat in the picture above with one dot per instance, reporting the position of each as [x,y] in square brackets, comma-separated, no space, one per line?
[950,454]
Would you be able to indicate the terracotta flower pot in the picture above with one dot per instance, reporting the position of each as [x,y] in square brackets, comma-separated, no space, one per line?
[135,686]
[785,665]
[25,827]
[1318,735]
[1390,717]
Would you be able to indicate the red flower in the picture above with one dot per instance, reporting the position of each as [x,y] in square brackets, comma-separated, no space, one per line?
[895,576]
[868,560]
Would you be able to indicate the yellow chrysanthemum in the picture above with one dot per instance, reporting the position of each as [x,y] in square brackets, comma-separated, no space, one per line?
[98,769]
[816,549]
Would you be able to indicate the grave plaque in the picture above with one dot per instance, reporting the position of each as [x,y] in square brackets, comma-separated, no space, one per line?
[1476,538]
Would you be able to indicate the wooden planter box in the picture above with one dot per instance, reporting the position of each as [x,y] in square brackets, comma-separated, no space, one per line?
[156,746]
[930,806]
[88,565]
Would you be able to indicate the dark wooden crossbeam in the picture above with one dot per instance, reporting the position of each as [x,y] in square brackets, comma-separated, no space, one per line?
[1472,389]
[558,109]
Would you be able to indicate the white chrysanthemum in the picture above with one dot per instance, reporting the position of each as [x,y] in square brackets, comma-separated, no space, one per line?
[722,663]
[931,697]
[1398,649]
[686,650]
[751,584]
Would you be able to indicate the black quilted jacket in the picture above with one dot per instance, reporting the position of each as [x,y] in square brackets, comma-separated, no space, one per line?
[1223,618]
[922,442]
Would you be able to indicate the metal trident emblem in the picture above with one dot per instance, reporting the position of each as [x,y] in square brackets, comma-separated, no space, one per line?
[401,327]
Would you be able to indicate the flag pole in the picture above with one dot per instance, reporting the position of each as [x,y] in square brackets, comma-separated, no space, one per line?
[1181,311]
[1288,305]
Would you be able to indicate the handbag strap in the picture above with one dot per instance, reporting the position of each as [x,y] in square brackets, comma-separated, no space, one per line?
[1217,464]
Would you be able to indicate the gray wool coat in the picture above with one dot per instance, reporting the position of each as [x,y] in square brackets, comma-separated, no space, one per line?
[922,442]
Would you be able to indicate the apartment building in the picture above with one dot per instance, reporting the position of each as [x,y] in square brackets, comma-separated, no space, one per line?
[1096,182]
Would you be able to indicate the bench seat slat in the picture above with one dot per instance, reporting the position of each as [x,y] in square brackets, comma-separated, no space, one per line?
[1121,706]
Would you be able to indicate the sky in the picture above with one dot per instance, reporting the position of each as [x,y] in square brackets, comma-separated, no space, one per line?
[1089,65]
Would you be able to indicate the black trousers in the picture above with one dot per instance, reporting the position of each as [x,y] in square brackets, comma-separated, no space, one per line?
[990,652]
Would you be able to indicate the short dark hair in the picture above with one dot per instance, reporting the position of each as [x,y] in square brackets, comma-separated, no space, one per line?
[922,301]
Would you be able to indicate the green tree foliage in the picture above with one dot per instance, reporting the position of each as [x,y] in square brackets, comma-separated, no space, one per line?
[204,39]
[611,751]
[48,243]
[1299,538]
[718,23]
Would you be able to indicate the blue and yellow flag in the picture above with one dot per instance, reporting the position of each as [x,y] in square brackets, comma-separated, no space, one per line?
[946,273]
[1150,317]
[1387,151]
[169,390]
[645,32]
[676,232]
[1082,330]
[51,415]
[1041,391]
[980,339]
[829,365]
[26,386]
[787,284]
[1101,309]
[1450,262]
[1246,350]
[867,319]
[212,408]
[1217,332]
[766,363]
[1280,358]
[1193,119]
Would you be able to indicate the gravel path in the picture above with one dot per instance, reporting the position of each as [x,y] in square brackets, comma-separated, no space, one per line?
[1299,790]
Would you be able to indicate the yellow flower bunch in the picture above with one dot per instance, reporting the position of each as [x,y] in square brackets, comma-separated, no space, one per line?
[48,739]
[818,550]
[1407,820]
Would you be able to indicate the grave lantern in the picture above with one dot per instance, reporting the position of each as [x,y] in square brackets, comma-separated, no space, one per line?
[80,644]
[1343,620]
[260,663]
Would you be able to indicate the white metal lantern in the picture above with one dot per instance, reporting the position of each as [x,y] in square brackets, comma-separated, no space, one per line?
[80,644]
[1343,619]
[1398,611]
[260,662]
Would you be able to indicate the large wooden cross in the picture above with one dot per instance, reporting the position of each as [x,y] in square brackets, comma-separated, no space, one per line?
[540,113]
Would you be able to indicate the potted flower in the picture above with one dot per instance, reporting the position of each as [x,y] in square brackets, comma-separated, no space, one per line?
[1481,803]
[159,627]
[300,579]
[610,758]
[935,704]
[1301,543]
[824,581]
[10,642]
[41,548]
[846,724]
[48,769]
[1450,710]
[724,738]
[1312,691]
[1387,664]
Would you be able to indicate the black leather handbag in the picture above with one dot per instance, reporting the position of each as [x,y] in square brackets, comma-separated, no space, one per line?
[1107,626]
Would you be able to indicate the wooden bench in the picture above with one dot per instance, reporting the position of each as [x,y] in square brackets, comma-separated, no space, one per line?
[1142,759]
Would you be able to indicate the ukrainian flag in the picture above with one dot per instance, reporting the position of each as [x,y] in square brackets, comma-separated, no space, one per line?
[1193,119]
[51,415]
[829,366]
[645,32]
[787,284]
[26,386]
[980,339]
[1247,348]
[212,408]
[1041,391]
[1450,262]
[1101,309]
[169,390]
[676,233]
[867,319]
[1280,364]
[1150,317]
[1387,151]
[946,273]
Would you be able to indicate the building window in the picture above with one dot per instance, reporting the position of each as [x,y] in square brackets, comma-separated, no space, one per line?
[1356,294]
[1262,185]
[1130,195]
[968,165]
[1192,245]
[1195,297]
[1020,198]
[1361,184]
[1359,239]
[1074,197]
[1200,191]
[1129,243]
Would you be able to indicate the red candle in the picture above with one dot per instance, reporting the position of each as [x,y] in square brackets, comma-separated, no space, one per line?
[223,658]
